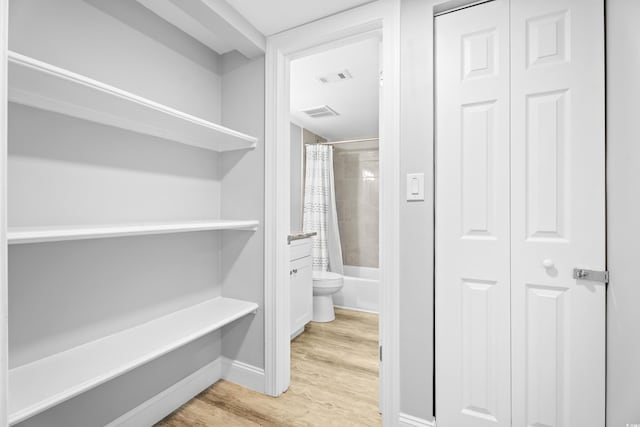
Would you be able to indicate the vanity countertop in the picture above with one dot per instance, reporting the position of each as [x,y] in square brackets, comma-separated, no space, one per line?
[300,236]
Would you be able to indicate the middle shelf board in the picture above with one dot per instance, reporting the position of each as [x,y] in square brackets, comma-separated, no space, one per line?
[44,383]
[40,85]
[18,235]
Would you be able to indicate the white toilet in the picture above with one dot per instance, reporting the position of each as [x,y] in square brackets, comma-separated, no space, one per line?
[325,284]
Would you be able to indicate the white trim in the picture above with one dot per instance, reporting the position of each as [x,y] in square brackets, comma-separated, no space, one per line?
[362,310]
[277,171]
[4,309]
[243,374]
[382,15]
[406,420]
[167,401]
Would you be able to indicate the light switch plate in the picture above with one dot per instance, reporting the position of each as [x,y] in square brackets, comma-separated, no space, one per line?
[415,186]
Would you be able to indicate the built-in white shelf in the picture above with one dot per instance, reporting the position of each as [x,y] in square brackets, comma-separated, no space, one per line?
[18,235]
[45,86]
[42,384]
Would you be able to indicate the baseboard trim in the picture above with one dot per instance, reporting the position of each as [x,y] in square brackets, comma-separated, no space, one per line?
[243,374]
[406,420]
[167,401]
[363,310]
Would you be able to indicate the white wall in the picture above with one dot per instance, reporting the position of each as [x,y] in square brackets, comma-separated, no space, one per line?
[623,212]
[416,218]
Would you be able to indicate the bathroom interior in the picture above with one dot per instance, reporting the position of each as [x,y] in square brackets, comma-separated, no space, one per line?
[334,191]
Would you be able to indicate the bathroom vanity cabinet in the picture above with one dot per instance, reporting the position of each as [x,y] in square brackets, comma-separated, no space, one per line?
[301,285]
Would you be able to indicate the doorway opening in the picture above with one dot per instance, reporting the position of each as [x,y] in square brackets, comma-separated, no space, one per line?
[334,198]
[335,31]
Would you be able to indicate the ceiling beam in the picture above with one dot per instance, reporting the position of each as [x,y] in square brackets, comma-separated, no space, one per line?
[214,23]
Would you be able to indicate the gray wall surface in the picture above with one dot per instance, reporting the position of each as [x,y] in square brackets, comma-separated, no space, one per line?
[623,212]
[68,171]
[121,43]
[296,178]
[65,171]
[416,218]
[243,198]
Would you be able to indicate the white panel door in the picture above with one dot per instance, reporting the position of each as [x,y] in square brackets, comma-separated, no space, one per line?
[557,212]
[472,217]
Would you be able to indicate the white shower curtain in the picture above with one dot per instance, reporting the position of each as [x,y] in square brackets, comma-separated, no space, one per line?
[320,214]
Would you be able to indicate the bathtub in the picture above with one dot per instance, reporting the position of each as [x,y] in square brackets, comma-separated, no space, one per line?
[361,289]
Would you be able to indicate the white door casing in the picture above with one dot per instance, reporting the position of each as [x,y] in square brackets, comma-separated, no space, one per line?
[472,217]
[557,212]
[4,249]
[383,16]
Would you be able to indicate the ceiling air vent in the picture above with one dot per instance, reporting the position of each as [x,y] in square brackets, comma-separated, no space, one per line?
[336,77]
[324,111]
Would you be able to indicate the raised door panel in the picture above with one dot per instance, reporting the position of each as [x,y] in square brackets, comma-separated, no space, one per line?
[546,157]
[477,138]
[472,217]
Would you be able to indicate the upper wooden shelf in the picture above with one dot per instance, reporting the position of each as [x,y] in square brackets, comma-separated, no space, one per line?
[17,235]
[38,84]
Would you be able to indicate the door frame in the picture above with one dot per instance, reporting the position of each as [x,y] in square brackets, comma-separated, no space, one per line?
[382,16]
[4,296]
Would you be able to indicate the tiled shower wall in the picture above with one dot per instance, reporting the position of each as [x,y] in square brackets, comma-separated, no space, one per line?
[357,187]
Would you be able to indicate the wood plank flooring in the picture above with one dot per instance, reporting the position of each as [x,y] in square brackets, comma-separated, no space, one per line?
[334,382]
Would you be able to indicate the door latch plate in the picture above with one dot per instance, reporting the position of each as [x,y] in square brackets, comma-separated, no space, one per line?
[592,275]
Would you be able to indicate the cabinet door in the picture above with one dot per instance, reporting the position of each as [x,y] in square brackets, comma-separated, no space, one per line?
[301,293]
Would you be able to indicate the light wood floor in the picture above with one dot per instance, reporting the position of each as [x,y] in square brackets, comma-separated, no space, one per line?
[334,382]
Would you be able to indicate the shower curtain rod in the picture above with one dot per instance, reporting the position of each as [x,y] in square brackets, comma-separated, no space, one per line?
[348,141]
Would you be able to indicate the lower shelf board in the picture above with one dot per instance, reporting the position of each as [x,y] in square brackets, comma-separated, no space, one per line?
[40,385]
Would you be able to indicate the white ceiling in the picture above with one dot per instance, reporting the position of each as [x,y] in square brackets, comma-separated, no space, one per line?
[356,100]
[273,16]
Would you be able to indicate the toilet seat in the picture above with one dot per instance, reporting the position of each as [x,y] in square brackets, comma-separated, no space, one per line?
[325,278]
